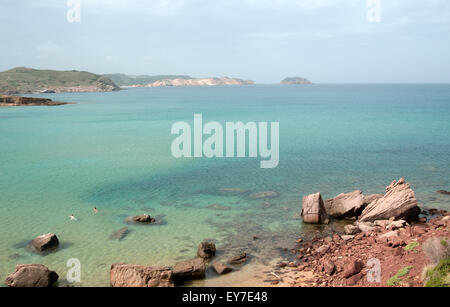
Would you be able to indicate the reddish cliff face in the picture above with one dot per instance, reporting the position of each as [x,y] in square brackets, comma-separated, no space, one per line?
[6,101]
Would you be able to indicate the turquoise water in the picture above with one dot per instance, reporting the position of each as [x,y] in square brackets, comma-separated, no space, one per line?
[112,151]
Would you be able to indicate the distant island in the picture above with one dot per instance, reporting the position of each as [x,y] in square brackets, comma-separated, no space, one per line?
[295,80]
[172,80]
[22,80]
[18,101]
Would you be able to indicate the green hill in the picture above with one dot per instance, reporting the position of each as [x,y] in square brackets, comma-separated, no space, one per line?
[128,80]
[26,80]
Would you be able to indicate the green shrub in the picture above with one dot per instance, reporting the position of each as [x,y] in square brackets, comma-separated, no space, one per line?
[396,279]
[439,275]
[411,246]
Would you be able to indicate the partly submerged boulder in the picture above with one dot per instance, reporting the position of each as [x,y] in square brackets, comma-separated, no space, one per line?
[345,205]
[144,219]
[130,275]
[31,275]
[43,243]
[206,250]
[189,270]
[313,210]
[399,202]
[221,268]
[119,234]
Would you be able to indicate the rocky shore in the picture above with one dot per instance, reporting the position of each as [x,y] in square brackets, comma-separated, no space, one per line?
[19,101]
[382,240]
[391,242]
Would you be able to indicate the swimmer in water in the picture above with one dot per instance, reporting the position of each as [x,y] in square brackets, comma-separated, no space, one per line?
[95,210]
[72,218]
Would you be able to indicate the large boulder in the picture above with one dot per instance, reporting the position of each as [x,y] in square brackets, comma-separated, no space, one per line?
[189,270]
[313,210]
[31,275]
[345,205]
[399,202]
[47,242]
[130,275]
[370,198]
[206,250]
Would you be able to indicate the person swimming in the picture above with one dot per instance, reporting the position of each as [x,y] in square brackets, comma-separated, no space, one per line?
[95,210]
[72,217]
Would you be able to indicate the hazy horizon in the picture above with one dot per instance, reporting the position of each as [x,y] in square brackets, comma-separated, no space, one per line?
[325,41]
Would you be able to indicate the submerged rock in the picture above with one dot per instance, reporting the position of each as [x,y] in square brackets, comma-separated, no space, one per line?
[189,270]
[313,209]
[399,202]
[221,268]
[232,191]
[119,234]
[130,275]
[443,192]
[345,205]
[31,275]
[261,195]
[43,243]
[206,250]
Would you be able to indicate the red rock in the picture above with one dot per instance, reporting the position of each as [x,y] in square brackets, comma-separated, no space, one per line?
[352,267]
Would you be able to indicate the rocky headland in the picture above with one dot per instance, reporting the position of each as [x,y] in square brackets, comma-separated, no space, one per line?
[22,80]
[19,101]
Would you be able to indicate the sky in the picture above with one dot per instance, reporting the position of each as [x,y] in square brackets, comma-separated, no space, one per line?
[326,41]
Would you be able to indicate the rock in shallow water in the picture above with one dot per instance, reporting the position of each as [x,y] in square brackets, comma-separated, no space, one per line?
[261,195]
[399,202]
[238,259]
[313,210]
[189,270]
[130,275]
[43,243]
[119,234]
[345,205]
[31,275]
[221,268]
[206,250]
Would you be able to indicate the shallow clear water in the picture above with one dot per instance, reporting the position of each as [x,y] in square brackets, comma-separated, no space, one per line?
[112,151]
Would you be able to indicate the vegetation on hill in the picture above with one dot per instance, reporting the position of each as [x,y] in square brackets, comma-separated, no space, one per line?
[27,80]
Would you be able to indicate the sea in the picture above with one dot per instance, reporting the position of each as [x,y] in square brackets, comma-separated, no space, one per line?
[112,151]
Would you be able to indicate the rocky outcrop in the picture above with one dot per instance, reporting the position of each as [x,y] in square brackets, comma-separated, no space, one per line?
[295,81]
[130,275]
[31,275]
[189,270]
[399,202]
[18,101]
[345,205]
[313,209]
[221,268]
[200,82]
[44,243]
[443,192]
[206,250]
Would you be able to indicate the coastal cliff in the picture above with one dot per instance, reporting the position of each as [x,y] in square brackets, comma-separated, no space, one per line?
[295,80]
[200,82]
[22,80]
